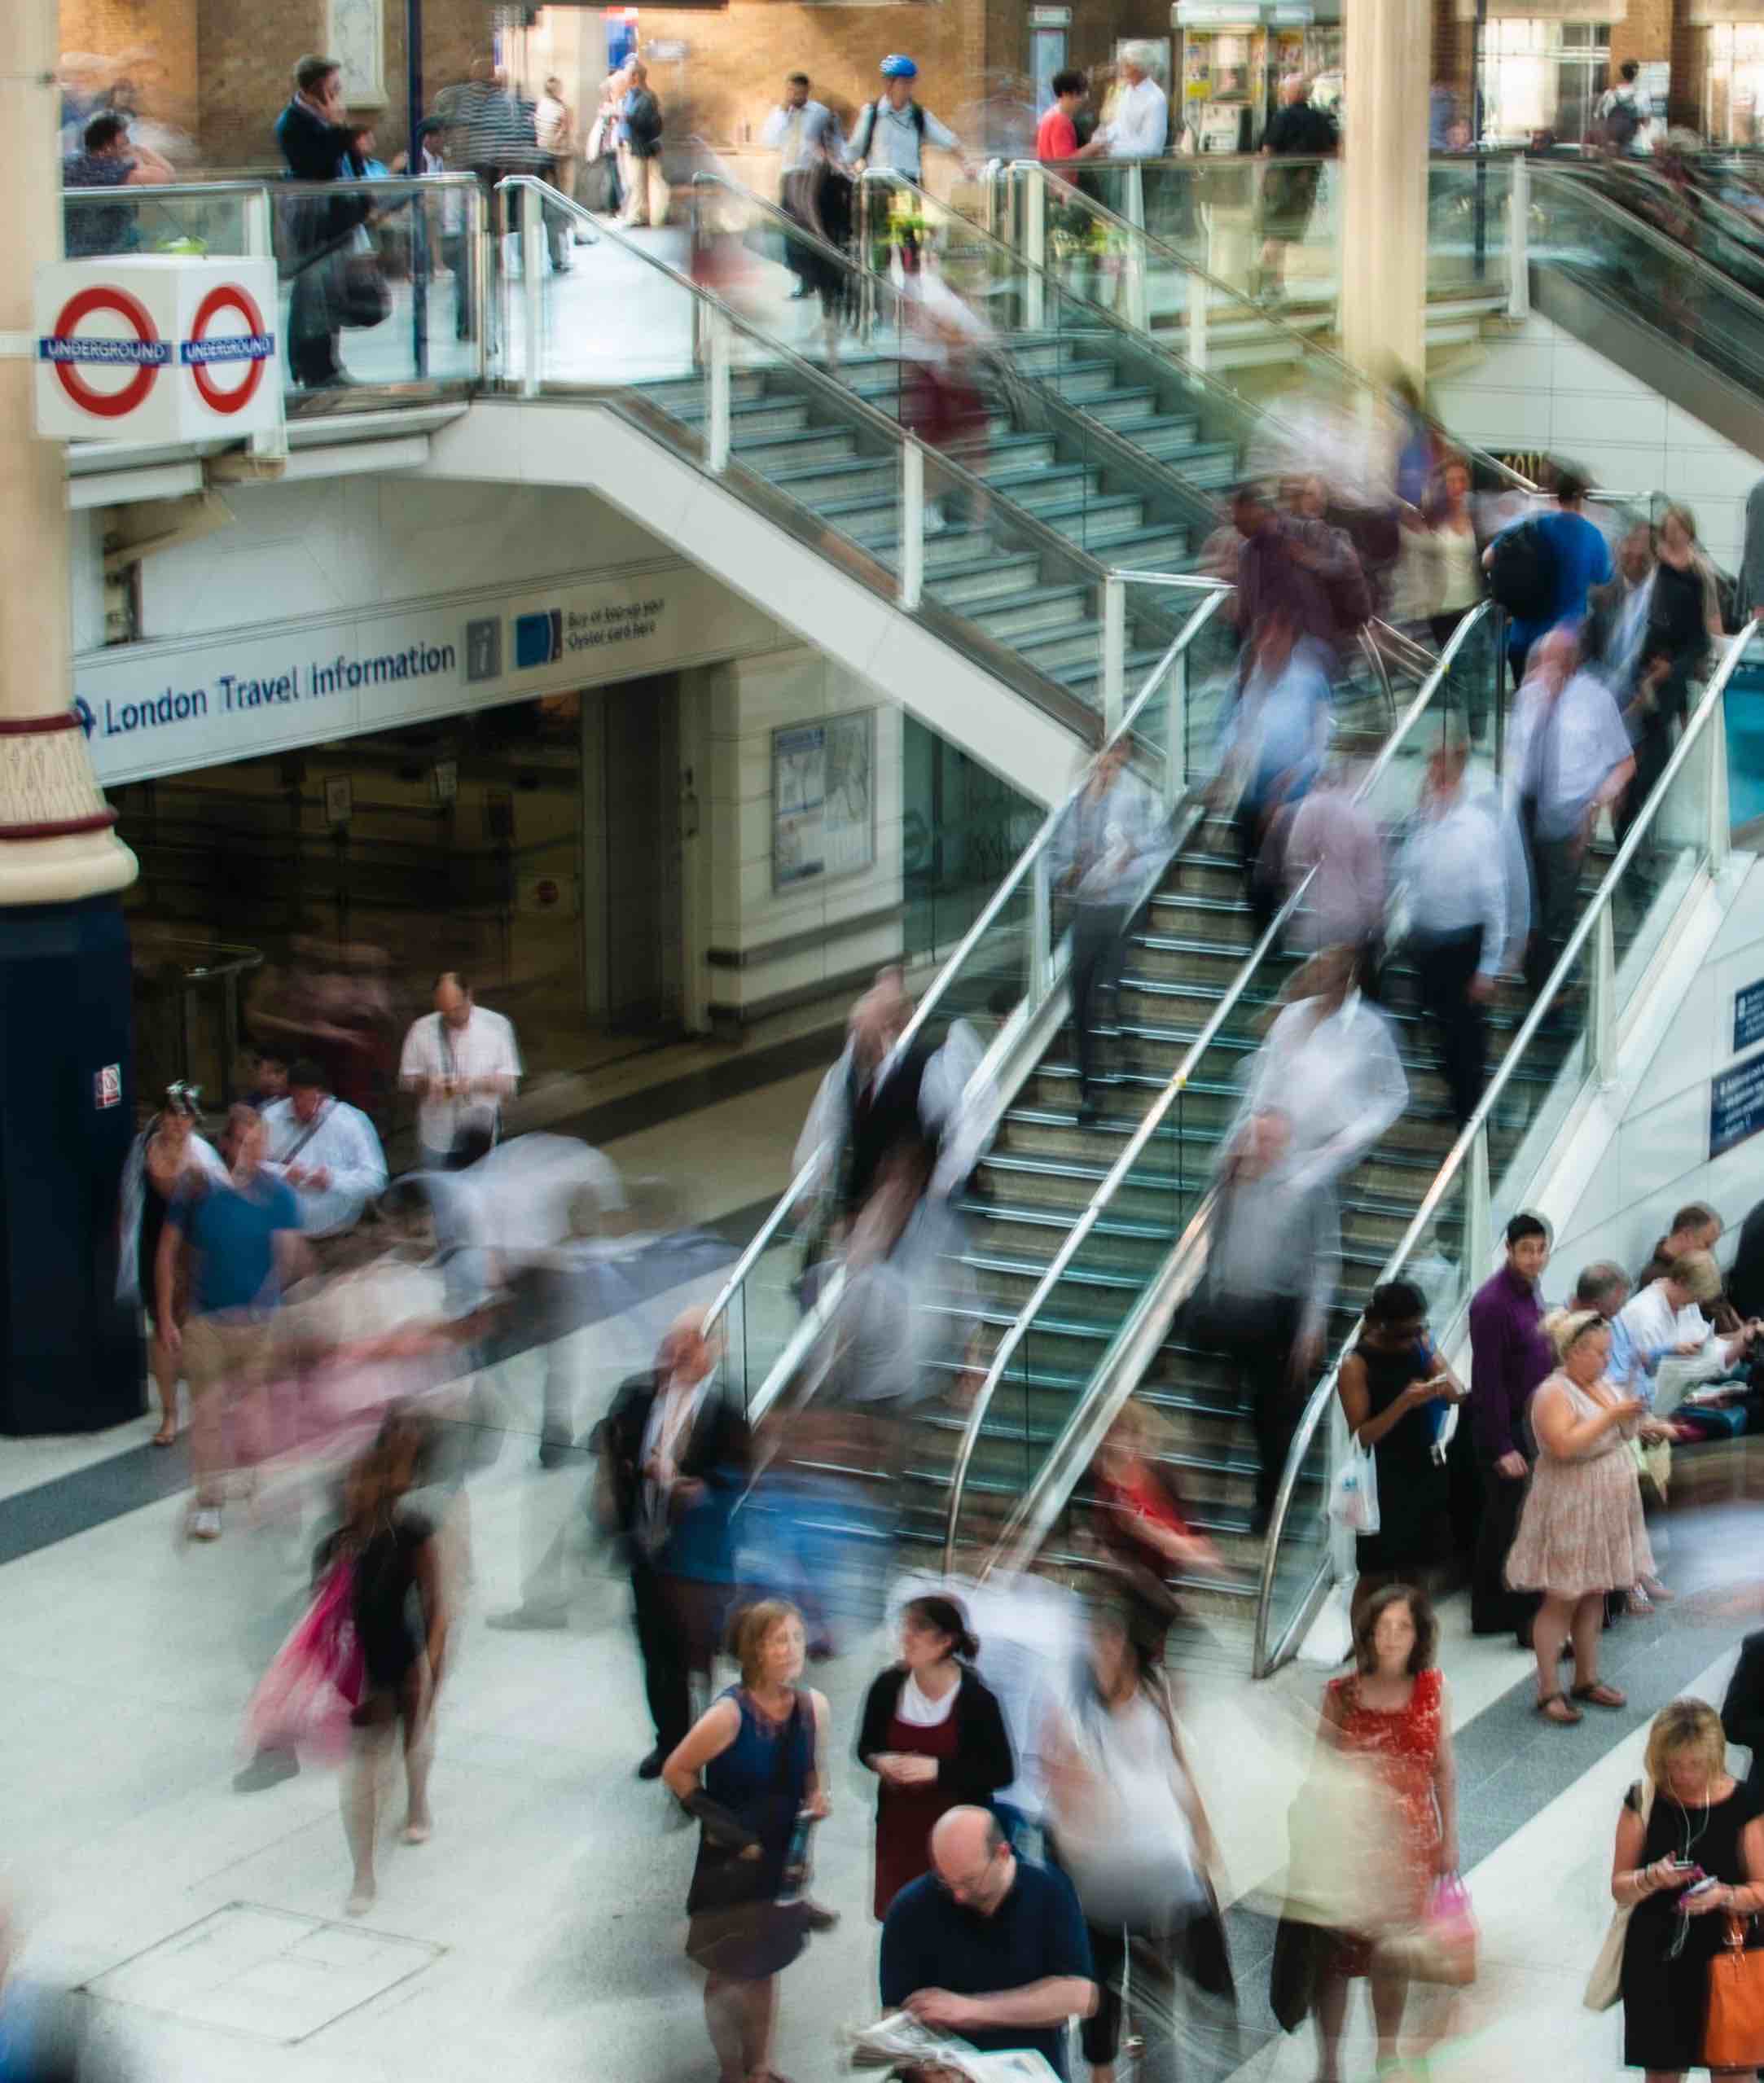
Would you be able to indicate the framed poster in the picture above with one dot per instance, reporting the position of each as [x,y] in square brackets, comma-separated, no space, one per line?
[824,799]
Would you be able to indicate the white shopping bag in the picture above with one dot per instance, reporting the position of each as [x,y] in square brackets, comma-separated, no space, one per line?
[1353,1492]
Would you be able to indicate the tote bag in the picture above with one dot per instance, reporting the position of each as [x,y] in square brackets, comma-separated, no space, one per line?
[1604,1985]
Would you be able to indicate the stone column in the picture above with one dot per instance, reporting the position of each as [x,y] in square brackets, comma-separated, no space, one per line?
[1384,219]
[69,1359]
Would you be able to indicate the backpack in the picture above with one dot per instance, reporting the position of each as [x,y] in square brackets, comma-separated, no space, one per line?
[1522,570]
[867,123]
[1623,122]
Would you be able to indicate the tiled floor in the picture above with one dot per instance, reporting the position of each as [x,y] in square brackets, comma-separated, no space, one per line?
[540,1933]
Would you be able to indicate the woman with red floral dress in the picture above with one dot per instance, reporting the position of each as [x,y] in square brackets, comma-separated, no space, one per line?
[1392,1711]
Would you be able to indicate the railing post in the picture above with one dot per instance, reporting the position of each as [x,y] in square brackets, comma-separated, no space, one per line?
[1718,827]
[531,285]
[1518,239]
[1601,1010]
[1197,321]
[1479,1217]
[912,579]
[717,405]
[1135,198]
[1176,733]
[1138,312]
[1114,651]
[1035,245]
[1041,930]
[260,243]
[866,295]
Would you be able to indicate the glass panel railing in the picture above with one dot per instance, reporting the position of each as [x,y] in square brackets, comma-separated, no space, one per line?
[1569,1038]
[1469,198]
[997,977]
[210,217]
[1071,1329]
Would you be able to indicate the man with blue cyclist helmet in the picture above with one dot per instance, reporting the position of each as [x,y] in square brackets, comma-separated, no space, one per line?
[892,131]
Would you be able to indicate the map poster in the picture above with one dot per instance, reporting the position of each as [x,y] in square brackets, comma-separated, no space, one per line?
[824,799]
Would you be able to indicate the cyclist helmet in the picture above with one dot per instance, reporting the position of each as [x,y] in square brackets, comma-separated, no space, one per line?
[899,67]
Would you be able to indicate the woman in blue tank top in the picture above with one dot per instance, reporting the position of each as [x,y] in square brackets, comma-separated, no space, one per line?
[752,1771]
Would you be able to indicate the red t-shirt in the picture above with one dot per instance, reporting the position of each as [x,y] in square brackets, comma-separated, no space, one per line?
[1057,135]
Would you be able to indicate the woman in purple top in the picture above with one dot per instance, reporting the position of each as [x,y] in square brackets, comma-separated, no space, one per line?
[1509,1356]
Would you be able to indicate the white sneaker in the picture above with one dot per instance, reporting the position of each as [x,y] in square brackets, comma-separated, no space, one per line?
[934,522]
[205,1523]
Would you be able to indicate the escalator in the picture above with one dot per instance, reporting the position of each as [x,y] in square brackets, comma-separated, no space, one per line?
[1425,1204]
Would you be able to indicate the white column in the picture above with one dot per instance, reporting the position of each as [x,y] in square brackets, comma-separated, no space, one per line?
[56,844]
[1382,247]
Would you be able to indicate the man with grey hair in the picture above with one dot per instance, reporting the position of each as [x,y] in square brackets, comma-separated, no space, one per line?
[1138,124]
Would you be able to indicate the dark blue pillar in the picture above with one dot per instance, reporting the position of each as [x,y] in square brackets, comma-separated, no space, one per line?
[70,1358]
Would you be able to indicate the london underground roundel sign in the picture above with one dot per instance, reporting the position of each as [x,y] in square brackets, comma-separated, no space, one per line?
[207,354]
[73,346]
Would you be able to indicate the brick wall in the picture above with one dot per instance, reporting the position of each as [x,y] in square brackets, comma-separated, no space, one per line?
[247,53]
[154,43]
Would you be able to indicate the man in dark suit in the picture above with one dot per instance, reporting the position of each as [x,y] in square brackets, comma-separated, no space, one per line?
[1742,1711]
[313,133]
[673,1453]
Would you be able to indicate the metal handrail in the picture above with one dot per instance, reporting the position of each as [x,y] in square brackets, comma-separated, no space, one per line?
[1123,1165]
[1457,1156]
[803,1183]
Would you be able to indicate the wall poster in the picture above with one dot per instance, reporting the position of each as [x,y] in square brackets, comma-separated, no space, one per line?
[824,799]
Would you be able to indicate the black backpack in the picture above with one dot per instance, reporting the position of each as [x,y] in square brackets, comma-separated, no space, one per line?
[1522,570]
[1622,124]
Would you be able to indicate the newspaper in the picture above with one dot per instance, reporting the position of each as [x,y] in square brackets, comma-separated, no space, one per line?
[900,2041]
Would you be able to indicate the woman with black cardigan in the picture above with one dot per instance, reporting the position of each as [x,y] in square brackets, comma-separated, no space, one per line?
[934,1736]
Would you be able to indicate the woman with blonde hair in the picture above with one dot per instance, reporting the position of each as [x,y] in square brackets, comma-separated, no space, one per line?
[1686,1818]
[1581,1534]
[753,1770]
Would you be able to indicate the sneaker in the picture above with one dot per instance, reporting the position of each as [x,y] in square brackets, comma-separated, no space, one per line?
[205,1523]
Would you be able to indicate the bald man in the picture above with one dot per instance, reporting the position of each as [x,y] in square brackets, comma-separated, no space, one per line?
[988,1948]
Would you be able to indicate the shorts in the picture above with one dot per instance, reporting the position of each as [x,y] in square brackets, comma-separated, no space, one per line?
[227,1349]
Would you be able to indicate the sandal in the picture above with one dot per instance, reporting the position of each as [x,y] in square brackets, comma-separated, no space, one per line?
[1601,1695]
[1567,1717]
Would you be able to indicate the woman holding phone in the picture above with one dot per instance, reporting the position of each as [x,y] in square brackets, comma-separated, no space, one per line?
[1689,1840]
[1395,1392]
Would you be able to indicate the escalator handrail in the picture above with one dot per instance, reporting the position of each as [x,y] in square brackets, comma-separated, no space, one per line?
[803,1183]
[1636,227]
[1317,1407]
[1148,1126]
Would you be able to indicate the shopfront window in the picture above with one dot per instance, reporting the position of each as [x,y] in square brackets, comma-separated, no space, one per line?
[1541,77]
[1733,84]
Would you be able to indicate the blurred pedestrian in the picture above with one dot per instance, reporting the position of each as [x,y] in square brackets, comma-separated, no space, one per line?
[1139,1518]
[462,1061]
[1335,840]
[1303,135]
[1330,1063]
[805,137]
[1696,1227]
[1393,1712]
[1568,757]
[1272,749]
[244,1246]
[313,134]
[1273,1255]
[933,1734]
[1544,566]
[987,1947]
[1509,1356]
[553,132]
[1456,584]
[1685,1816]
[109,159]
[1300,563]
[1396,1390]
[1102,854]
[403,1618]
[328,1151]
[674,1451]
[753,1771]
[1580,1534]
[163,1156]
[1130,1829]
[1450,870]
[1682,618]
[648,196]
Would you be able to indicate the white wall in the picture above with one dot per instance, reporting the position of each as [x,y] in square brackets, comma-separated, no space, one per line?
[324,544]
[749,699]
[1658,1159]
[1537,389]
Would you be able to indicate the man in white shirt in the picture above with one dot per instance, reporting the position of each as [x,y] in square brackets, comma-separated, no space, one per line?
[892,131]
[1450,867]
[326,1151]
[1568,748]
[1668,1340]
[807,141]
[1138,124]
[462,1061]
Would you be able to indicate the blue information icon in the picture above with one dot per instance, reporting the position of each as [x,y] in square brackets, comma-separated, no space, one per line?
[538,638]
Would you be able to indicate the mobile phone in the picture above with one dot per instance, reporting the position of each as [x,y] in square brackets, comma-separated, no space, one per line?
[1699,1886]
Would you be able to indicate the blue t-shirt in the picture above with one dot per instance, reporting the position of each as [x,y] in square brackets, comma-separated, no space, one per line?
[1583,561]
[930,1942]
[232,1231]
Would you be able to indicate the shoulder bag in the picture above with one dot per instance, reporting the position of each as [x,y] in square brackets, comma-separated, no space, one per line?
[1733,2032]
[1604,1985]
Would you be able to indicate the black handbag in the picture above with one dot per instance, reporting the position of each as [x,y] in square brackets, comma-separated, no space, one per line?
[363,300]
